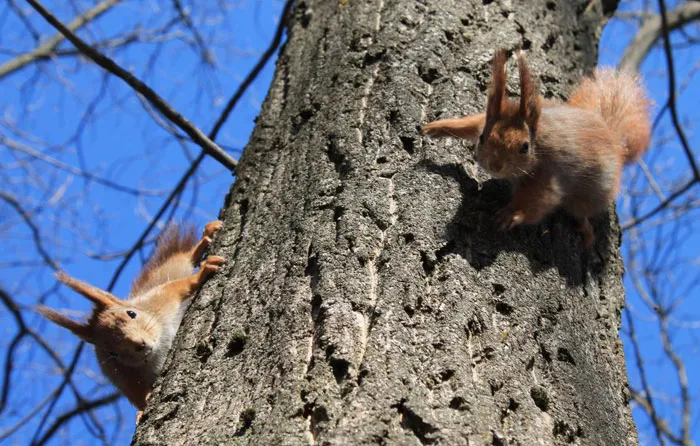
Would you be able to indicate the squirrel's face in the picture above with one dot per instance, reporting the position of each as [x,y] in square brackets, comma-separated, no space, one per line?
[505,150]
[127,334]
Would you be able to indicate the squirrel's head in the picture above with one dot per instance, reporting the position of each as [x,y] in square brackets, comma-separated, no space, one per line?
[120,330]
[506,147]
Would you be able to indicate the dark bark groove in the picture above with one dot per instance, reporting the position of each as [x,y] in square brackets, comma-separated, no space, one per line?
[368,298]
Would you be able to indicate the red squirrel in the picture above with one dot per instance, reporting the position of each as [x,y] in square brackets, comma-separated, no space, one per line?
[132,337]
[567,155]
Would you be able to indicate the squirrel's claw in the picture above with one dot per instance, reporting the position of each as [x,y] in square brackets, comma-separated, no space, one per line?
[211,264]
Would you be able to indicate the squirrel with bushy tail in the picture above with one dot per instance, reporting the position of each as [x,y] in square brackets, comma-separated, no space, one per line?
[557,155]
[132,337]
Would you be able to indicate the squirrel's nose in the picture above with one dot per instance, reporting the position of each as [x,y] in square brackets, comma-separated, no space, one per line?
[141,346]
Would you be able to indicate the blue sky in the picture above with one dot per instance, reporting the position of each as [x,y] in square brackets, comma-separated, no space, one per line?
[121,143]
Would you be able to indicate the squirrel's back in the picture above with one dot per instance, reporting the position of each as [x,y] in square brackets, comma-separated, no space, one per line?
[621,100]
[171,259]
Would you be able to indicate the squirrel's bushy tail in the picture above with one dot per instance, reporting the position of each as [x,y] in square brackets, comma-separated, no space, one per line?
[175,239]
[621,100]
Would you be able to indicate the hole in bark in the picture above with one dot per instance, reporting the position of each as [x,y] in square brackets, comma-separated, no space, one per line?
[513,405]
[318,416]
[447,374]
[413,422]
[235,346]
[428,265]
[540,397]
[552,6]
[409,238]
[245,420]
[428,73]
[382,160]
[459,403]
[545,353]
[336,156]
[527,44]
[409,310]
[340,369]
[408,144]
[449,35]
[204,350]
[487,2]
[372,58]
[306,114]
[564,356]
[549,43]
[497,440]
[498,289]
[504,308]
[361,377]
[394,116]
[530,364]
[338,212]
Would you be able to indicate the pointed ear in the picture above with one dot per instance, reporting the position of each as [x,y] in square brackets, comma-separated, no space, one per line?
[81,330]
[497,89]
[530,103]
[96,295]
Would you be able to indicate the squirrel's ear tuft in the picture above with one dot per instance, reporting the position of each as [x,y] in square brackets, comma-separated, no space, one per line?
[497,89]
[97,296]
[81,330]
[530,104]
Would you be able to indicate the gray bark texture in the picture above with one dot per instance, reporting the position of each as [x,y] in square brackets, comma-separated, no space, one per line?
[368,297]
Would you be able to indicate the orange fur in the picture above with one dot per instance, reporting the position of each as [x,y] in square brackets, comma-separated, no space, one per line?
[556,154]
[132,337]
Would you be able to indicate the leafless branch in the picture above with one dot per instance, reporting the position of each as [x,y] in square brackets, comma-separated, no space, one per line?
[652,30]
[46,49]
[9,199]
[209,146]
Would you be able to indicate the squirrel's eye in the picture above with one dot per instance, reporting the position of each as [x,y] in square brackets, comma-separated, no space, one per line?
[113,355]
[525,148]
[131,314]
[481,138]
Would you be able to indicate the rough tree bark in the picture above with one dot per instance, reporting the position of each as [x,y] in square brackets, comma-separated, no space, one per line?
[368,297]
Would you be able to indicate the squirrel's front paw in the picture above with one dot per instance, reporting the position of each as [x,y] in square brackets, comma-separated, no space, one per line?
[212,227]
[509,218]
[211,264]
[434,128]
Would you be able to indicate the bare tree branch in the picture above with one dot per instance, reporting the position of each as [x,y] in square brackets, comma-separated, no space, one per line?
[78,410]
[12,201]
[46,49]
[14,145]
[209,146]
[652,30]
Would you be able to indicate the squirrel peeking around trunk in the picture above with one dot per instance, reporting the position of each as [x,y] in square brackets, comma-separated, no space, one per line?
[132,337]
[567,155]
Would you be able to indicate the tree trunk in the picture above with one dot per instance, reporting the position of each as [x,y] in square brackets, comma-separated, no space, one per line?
[368,297]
